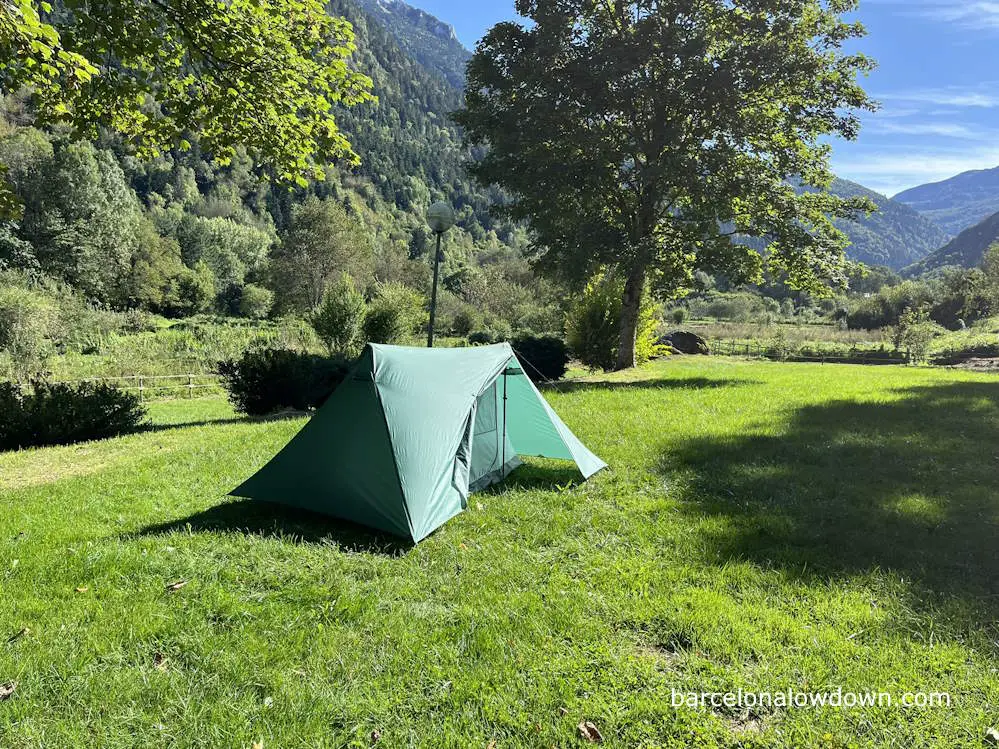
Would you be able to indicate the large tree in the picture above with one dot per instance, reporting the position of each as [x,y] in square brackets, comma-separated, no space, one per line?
[321,244]
[646,136]
[265,74]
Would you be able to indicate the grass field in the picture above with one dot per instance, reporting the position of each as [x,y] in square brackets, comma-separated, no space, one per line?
[764,526]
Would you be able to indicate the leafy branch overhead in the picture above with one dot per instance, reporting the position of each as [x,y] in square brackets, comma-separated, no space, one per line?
[265,74]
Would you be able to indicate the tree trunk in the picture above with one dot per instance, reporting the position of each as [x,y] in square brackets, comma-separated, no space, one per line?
[631,304]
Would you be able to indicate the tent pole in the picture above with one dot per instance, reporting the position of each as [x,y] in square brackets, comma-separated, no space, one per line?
[503,464]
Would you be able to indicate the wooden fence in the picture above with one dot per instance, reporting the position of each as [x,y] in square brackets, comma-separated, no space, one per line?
[151,387]
[757,350]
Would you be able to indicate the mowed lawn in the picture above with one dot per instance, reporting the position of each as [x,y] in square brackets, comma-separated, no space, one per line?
[763,526]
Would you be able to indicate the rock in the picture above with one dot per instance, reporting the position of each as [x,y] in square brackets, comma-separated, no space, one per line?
[685,342]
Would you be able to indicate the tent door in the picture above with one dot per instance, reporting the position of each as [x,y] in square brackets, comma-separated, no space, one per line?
[491,446]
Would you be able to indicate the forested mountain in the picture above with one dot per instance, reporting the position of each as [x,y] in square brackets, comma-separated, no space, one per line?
[967,249]
[180,234]
[895,235]
[957,203]
[426,39]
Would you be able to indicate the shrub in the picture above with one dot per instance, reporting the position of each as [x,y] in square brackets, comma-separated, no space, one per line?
[545,358]
[339,318]
[593,325]
[393,315]
[466,321]
[480,338]
[255,302]
[270,380]
[26,318]
[62,414]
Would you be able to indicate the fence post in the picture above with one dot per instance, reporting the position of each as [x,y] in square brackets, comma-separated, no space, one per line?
[141,387]
[190,387]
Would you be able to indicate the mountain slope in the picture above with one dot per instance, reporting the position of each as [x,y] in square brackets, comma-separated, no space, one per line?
[896,235]
[967,249]
[956,203]
[426,39]
[409,148]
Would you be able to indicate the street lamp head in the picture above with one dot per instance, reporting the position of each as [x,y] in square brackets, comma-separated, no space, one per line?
[440,217]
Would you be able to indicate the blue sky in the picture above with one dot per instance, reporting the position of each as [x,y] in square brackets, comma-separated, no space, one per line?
[938,83]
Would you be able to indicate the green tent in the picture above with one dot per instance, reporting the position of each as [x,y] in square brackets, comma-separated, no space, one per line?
[411,433]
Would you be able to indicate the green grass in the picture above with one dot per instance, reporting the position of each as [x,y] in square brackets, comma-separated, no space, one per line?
[764,526]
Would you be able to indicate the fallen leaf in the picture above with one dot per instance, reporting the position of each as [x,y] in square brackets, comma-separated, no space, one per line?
[491,744]
[173,587]
[479,506]
[257,744]
[462,546]
[563,710]
[17,636]
[375,736]
[589,732]
[160,662]
[268,701]
[992,737]
[6,690]
[82,589]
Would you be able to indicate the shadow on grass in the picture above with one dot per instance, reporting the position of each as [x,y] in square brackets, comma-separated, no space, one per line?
[908,485]
[225,421]
[680,383]
[551,475]
[284,523]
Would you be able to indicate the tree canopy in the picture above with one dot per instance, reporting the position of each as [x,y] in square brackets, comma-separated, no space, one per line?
[646,136]
[265,74]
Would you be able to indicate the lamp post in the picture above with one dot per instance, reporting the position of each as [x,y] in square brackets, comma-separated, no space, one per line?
[440,217]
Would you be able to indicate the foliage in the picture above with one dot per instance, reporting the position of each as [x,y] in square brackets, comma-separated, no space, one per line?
[545,358]
[914,332]
[321,243]
[395,314]
[593,325]
[265,75]
[63,414]
[26,321]
[255,302]
[265,381]
[629,140]
[339,318]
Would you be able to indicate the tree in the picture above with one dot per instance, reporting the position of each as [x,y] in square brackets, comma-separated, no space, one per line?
[339,318]
[645,134]
[80,218]
[322,243]
[266,75]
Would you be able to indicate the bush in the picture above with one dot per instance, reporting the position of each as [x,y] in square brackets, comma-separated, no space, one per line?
[63,414]
[593,325]
[480,338]
[393,315]
[255,302]
[26,319]
[339,318]
[545,358]
[270,380]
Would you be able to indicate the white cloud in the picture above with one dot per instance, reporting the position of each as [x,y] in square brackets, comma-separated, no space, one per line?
[977,15]
[947,97]
[890,172]
[939,129]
